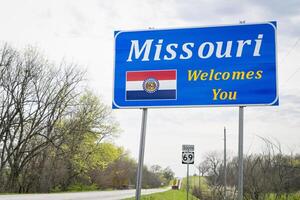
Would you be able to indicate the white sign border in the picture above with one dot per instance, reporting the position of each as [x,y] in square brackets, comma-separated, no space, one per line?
[197,106]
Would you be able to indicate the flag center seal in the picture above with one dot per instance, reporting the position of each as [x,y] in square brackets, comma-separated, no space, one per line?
[150,85]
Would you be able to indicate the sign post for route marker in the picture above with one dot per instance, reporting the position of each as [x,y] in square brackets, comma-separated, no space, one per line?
[187,158]
[234,65]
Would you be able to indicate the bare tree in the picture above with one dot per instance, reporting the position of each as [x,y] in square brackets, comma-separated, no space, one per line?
[203,168]
[33,97]
[270,172]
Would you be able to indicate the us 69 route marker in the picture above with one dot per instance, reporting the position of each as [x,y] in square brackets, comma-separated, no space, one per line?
[187,154]
[231,65]
[187,157]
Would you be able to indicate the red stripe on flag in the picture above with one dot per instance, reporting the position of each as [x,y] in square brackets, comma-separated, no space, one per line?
[159,75]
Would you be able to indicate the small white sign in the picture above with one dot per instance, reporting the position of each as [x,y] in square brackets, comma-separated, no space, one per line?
[187,157]
[188,147]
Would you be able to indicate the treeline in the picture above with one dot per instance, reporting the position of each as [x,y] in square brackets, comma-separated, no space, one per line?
[55,134]
[267,175]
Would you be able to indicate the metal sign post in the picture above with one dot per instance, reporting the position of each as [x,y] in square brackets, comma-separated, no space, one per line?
[240,159]
[141,156]
[225,166]
[187,158]
[187,182]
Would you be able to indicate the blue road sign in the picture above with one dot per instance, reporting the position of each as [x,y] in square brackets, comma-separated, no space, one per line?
[211,66]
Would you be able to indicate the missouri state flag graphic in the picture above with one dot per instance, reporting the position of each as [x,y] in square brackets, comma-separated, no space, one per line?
[151,85]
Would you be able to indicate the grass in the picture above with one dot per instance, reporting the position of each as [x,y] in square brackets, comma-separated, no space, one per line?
[292,196]
[194,182]
[178,194]
[168,195]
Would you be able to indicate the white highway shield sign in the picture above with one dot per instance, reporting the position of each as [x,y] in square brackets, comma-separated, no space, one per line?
[187,157]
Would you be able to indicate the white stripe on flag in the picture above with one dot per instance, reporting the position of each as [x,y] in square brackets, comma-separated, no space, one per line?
[163,85]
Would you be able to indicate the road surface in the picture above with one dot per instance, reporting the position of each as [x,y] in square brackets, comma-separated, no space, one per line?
[101,195]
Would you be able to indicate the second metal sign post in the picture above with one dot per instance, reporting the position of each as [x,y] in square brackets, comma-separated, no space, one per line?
[187,158]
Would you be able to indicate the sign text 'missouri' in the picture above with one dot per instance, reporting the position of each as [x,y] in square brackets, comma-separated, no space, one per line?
[204,51]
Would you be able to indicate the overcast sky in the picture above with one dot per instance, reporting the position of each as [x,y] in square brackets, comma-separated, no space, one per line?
[81,31]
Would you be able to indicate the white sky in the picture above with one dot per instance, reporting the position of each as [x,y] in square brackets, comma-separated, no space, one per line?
[81,31]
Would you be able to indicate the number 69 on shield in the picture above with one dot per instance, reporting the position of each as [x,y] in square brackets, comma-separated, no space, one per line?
[187,157]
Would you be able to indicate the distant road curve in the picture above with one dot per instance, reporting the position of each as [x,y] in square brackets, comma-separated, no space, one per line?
[97,195]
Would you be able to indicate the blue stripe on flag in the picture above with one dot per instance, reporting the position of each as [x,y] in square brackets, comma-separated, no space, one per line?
[142,95]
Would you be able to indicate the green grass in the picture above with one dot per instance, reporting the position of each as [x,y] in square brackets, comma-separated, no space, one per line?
[178,194]
[194,182]
[78,187]
[168,195]
[292,196]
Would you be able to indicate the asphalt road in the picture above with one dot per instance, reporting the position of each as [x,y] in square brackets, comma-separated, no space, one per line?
[101,195]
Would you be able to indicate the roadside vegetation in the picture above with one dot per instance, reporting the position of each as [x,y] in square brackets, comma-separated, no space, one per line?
[168,195]
[270,175]
[55,134]
[196,184]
